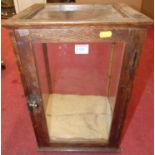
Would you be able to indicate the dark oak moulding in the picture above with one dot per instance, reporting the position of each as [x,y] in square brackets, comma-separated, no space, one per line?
[56,23]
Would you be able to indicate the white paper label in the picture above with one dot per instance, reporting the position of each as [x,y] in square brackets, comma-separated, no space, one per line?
[81,49]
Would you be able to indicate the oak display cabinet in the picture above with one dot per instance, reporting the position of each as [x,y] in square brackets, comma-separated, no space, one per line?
[77,64]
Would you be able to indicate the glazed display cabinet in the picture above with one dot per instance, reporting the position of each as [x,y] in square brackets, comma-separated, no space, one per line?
[77,64]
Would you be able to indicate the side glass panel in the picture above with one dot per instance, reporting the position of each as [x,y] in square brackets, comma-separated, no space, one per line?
[79,87]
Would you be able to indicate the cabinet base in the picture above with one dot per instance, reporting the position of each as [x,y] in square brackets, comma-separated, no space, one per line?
[80,149]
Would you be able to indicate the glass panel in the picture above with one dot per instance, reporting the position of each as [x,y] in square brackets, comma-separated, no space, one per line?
[78,13]
[79,86]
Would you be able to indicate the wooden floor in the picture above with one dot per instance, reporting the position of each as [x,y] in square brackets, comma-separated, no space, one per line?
[78,117]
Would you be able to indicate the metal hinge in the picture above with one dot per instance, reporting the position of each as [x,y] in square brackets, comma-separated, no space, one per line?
[133,64]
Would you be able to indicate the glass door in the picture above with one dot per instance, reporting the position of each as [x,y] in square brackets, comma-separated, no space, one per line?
[79,87]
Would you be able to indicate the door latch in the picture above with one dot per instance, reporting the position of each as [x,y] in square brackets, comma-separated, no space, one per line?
[32,102]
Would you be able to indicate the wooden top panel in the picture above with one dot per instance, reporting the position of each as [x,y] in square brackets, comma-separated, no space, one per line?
[39,15]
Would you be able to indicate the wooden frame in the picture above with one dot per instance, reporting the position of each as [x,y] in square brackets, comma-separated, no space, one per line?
[24,31]
[130,16]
